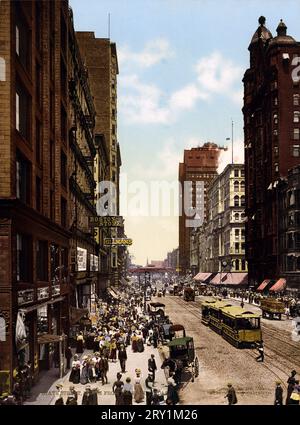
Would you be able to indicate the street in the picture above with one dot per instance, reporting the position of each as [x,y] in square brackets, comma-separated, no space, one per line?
[221,363]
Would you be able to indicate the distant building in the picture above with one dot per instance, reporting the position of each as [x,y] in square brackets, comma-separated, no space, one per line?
[272,142]
[199,164]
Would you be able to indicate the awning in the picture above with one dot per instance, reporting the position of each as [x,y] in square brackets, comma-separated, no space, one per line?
[50,338]
[235,279]
[279,285]
[112,293]
[263,285]
[217,278]
[77,313]
[202,277]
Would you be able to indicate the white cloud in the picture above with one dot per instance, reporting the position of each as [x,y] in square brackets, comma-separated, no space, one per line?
[186,97]
[154,52]
[216,74]
[226,156]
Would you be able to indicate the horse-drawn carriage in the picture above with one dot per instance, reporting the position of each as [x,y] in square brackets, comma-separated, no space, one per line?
[188,294]
[182,351]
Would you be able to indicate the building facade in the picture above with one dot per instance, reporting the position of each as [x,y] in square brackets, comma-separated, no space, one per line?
[224,233]
[100,56]
[199,165]
[34,192]
[272,142]
[289,228]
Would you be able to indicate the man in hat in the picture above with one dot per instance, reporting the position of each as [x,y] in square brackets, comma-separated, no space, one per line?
[278,394]
[59,400]
[152,366]
[122,355]
[149,386]
[261,355]
[291,382]
[72,396]
[231,395]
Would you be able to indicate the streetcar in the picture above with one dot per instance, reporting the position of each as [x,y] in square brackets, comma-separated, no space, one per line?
[189,294]
[238,326]
[272,308]
[182,351]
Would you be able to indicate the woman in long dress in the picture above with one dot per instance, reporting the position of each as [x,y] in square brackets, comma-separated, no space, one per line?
[79,343]
[85,372]
[134,344]
[75,372]
[139,394]
[113,350]
[127,392]
[117,389]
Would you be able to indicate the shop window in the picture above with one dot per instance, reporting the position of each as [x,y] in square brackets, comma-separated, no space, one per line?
[23,179]
[42,261]
[24,259]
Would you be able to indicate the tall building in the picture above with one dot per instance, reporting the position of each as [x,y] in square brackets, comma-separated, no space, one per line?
[272,142]
[34,192]
[199,164]
[225,229]
[100,56]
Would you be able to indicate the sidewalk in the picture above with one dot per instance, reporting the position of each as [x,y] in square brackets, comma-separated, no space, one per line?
[45,391]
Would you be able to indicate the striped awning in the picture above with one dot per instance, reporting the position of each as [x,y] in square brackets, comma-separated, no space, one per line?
[279,285]
[202,277]
[235,279]
[263,285]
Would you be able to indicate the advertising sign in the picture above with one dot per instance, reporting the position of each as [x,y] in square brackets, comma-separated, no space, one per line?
[117,241]
[113,221]
[81,259]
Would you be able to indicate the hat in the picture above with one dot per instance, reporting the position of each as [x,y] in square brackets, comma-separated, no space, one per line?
[59,386]
[293,372]
[278,383]
[229,384]
[71,387]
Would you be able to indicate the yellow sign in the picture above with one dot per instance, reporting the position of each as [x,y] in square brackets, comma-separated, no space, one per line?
[106,221]
[117,241]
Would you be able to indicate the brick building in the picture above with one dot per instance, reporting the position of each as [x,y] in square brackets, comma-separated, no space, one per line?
[272,142]
[34,233]
[199,164]
[100,57]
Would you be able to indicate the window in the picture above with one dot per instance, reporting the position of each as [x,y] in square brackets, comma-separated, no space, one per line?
[276,151]
[63,169]
[23,252]
[64,264]
[42,261]
[296,116]
[236,186]
[275,132]
[242,201]
[296,133]
[113,129]
[236,217]
[54,264]
[296,98]
[296,150]
[23,105]
[275,100]
[237,247]
[275,118]
[242,185]
[23,42]
[236,201]
[243,265]
[242,173]
[236,173]
[243,246]
[38,194]
[276,167]
[237,233]
[63,212]
[23,171]
[243,233]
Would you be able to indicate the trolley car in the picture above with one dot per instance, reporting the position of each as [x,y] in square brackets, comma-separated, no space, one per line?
[237,325]
[189,294]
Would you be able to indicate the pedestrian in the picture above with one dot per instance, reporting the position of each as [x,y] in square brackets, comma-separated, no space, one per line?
[287,312]
[84,379]
[59,400]
[242,303]
[155,338]
[17,393]
[172,393]
[127,392]
[278,394]
[139,394]
[157,398]
[122,355]
[295,396]
[117,389]
[261,355]
[149,387]
[75,372]
[152,366]
[79,343]
[105,369]
[113,350]
[87,396]
[231,395]
[68,356]
[291,382]
[72,396]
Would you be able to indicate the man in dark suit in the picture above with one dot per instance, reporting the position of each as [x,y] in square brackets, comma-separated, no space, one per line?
[152,366]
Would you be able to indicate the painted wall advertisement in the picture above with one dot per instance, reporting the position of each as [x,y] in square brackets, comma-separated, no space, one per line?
[81,259]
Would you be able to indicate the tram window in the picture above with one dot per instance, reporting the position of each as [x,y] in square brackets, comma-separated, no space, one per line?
[248,323]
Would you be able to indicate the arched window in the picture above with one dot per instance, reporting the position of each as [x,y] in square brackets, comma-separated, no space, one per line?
[236,186]
[236,217]
[242,201]
[242,185]
[237,264]
[275,118]
[243,265]
[236,201]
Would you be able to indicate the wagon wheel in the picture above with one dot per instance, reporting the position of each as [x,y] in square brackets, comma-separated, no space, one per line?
[196,367]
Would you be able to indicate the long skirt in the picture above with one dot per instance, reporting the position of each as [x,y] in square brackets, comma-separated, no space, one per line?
[127,398]
[140,346]
[113,354]
[75,376]
[134,346]
[84,376]
[119,397]
[79,347]
[138,393]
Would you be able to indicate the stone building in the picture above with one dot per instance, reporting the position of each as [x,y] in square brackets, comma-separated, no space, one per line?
[272,142]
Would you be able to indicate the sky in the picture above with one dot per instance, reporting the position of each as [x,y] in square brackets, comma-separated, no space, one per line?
[181,64]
